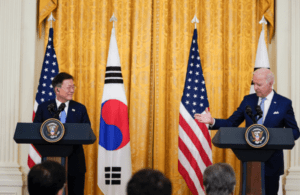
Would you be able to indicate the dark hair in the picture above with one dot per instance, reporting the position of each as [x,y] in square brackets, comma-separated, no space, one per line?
[58,79]
[46,178]
[149,181]
[219,179]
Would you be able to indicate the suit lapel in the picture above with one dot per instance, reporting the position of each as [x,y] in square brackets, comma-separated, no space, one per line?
[70,112]
[272,108]
[252,102]
[55,107]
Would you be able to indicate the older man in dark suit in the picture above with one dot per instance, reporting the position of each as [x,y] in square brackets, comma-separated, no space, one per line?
[73,112]
[277,113]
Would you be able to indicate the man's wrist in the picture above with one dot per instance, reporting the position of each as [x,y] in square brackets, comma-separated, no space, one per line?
[212,123]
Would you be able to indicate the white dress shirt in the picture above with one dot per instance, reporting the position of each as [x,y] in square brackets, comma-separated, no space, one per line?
[267,104]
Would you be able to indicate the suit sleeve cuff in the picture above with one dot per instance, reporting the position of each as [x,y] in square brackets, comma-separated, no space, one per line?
[210,126]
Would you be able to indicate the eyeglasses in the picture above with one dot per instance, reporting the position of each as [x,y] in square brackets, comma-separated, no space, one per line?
[67,89]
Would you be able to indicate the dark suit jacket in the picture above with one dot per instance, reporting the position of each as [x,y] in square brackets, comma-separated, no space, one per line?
[284,118]
[76,114]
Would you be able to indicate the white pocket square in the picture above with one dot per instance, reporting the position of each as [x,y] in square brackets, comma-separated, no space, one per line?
[276,112]
[73,110]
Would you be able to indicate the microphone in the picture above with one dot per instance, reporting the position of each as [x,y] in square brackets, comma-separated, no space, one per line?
[249,111]
[259,112]
[60,108]
[50,108]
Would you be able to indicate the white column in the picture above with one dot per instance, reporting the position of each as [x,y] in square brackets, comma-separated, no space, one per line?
[29,52]
[10,37]
[288,78]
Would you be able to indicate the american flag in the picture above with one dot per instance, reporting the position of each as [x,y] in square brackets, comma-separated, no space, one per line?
[194,142]
[45,91]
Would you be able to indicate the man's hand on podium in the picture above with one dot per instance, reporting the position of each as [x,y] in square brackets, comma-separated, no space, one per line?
[205,117]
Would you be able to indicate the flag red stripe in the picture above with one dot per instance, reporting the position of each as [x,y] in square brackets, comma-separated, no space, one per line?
[187,178]
[36,150]
[30,162]
[33,115]
[185,126]
[205,132]
[189,156]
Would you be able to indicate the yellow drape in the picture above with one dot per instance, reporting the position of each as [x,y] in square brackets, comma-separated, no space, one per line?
[154,39]
[45,8]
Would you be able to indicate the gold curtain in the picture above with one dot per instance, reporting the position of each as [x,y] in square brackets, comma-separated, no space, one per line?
[154,39]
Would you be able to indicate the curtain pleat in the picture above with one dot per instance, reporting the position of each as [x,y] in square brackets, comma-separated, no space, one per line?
[154,39]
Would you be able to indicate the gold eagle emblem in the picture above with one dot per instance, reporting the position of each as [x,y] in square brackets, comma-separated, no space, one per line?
[257,135]
[52,129]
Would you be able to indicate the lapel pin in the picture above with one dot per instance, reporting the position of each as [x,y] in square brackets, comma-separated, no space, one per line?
[274,102]
[73,109]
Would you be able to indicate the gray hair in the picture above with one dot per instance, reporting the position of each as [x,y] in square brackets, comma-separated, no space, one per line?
[270,78]
[219,179]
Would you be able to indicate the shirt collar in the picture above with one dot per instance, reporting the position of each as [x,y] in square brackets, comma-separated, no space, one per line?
[58,103]
[269,97]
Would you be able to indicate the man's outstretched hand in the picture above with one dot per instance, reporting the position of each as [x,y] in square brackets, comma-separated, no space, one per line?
[204,118]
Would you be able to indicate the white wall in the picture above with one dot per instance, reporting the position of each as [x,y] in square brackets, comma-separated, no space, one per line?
[287,58]
[20,50]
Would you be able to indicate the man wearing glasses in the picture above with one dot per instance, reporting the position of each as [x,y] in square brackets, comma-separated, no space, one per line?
[72,112]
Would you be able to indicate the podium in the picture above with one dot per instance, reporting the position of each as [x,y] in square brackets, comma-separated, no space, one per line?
[75,134]
[234,138]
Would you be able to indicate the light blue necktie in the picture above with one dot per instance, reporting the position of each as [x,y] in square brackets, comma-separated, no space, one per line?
[63,116]
[262,106]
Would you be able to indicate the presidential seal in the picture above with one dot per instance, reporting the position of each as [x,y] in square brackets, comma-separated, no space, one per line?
[257,136]
[52,130]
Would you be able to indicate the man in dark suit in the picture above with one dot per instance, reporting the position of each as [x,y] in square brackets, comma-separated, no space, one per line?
[73,112]
[277,113]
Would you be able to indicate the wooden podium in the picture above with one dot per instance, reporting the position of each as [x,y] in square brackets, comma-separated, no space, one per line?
[234,138]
